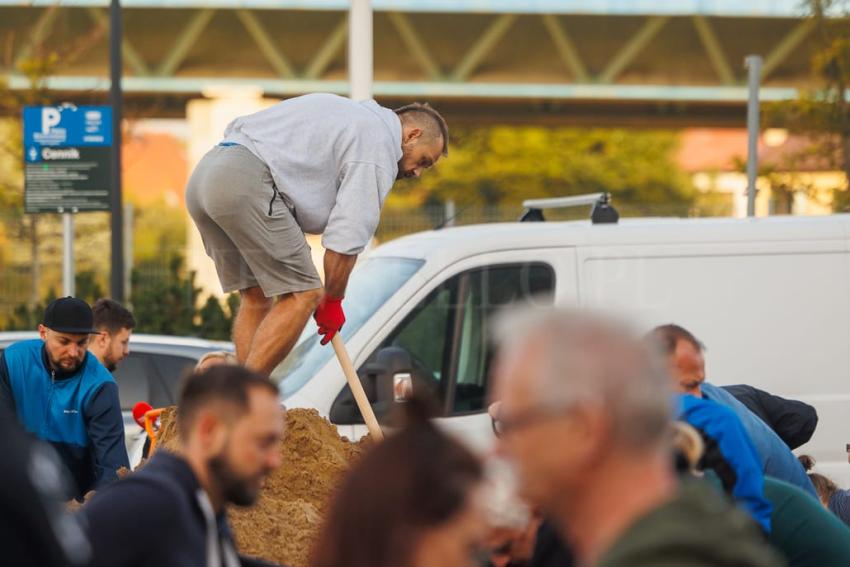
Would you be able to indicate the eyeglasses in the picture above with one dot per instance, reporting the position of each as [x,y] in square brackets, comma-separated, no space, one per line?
[503,425]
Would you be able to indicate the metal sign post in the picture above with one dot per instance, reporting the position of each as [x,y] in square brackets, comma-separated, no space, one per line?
[68,271]
[753,64]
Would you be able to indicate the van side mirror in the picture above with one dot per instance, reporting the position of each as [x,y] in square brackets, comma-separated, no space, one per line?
[402,386]
[387,378]
[395,381]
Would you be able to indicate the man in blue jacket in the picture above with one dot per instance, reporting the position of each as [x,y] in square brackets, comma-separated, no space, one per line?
[687,370]
[63,395]
[729,453]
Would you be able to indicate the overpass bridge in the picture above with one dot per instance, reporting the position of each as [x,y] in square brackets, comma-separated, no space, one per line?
[638,62]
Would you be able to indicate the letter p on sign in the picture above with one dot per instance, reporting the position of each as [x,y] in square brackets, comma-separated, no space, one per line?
[50,117]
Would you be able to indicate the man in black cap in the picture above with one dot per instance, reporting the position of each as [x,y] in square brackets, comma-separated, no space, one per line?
[63,395]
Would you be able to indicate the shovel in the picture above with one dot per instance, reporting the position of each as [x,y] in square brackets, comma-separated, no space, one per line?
[357,388]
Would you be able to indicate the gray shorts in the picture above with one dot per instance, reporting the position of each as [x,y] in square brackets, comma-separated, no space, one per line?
[246,226]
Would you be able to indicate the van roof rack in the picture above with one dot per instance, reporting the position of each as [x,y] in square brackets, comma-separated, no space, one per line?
[601,212]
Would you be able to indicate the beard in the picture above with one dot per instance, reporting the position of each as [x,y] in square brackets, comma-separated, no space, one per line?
[403,173]
[65,364]
[237,490]
[109,363]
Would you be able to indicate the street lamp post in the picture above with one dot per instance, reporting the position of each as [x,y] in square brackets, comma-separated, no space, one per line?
[115,200]
[360,49]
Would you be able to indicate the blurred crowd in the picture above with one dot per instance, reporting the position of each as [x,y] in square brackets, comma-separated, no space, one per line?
[611,449]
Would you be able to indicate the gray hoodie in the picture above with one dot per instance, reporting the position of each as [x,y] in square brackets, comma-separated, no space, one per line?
[333,159]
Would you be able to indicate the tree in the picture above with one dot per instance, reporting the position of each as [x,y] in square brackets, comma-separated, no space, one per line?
[162,305]
[823,113]
[215,324]
[159,233]
[88,288]
[504,165]
[27,317]
[168,306]
[29,54]
[36,68]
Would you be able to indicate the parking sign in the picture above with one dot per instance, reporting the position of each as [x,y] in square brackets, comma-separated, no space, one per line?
[67,158]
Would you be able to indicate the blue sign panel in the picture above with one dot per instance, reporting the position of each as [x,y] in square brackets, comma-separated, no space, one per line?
[67,155]
[68,125]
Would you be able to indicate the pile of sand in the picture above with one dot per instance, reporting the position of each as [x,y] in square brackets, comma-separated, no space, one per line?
[167,436]
[283,524]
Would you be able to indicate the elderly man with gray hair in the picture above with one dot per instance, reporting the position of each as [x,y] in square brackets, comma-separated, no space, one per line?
[585,414]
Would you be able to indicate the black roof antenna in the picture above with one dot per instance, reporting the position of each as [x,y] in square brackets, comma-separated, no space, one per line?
[602,212]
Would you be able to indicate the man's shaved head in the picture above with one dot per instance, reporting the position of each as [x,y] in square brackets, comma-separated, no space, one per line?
[432,124]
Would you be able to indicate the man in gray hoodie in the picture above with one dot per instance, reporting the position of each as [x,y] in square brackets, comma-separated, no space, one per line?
[319,164]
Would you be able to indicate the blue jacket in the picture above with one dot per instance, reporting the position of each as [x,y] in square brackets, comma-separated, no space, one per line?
[737,463]
[777,460]
[79,413]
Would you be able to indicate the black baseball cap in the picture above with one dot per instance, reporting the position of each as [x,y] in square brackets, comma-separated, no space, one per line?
[70,315]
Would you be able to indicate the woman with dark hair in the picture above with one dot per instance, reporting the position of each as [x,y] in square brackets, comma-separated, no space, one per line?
[830,495]
[414,500]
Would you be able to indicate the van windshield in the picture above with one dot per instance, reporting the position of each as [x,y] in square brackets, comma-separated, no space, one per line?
[372,283]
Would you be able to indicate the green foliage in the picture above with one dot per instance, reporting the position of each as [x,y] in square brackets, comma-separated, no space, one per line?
[164,305]
[159,233]
[714,204]
[841,201]
[36,68]
[11,178]
[823,113]
[168,306]
[215,324]
[503,165]
[88,288]
[233,301]
[163,302]
[26,317]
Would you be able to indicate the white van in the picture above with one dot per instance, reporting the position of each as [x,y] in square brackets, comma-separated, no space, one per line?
[770,298]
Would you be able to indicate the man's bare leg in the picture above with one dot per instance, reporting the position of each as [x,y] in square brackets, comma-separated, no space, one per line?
[280,328]
[253,308]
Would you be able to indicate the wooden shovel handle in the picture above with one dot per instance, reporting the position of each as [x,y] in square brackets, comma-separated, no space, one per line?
[357,388]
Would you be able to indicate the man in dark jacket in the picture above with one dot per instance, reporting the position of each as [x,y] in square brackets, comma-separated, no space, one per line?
[549,549]
[61,394]
[794,421]
[230,425]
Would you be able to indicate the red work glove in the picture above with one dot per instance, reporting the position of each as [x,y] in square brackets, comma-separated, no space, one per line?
[329,317]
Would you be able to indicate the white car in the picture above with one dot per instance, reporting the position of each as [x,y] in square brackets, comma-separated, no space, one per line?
[770,297]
